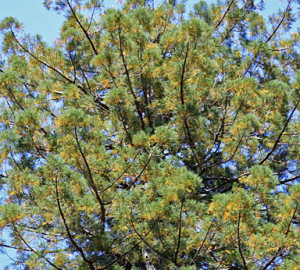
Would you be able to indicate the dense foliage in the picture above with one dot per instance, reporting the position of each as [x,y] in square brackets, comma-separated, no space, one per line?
[152,136]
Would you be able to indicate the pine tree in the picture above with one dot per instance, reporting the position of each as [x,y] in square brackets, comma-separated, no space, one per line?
[152,137]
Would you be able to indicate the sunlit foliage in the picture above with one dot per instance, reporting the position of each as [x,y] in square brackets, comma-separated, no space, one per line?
[155,135]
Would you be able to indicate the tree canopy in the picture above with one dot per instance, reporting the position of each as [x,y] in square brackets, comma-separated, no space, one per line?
[152,137]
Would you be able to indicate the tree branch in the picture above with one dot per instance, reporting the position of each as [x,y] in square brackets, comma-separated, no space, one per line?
[185,122]
[281,248]
[129,82]
[82,28]
[123,255]
[144,168]
[201,246]
[280,135]
[78,248]
[289,180]
[102,105]
[239,243]
[32,250]
[227,10]
[179,233]
[281,21]
[117,179]
[146,242]
[102,207]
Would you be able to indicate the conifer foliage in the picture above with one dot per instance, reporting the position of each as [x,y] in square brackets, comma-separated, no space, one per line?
[154,136]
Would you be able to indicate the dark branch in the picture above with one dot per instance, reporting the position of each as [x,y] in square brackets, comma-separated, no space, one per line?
[129,82]
[179,232]
[281,248]
[78,248]
[227,10]
[92,182]
[32,250]
[146,242]
[239,243]
[280,135]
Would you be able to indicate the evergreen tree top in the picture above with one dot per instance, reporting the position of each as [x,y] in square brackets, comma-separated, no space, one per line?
[152,137]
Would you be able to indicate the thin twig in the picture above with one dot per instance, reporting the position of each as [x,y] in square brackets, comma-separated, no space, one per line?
[82,28]
[227,10]
[280,135]
[93,186]
[146,242]
[78,248]
[239,242]
[179,232]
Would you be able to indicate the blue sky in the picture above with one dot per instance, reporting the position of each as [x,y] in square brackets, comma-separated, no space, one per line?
[37,20]
[35,17]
